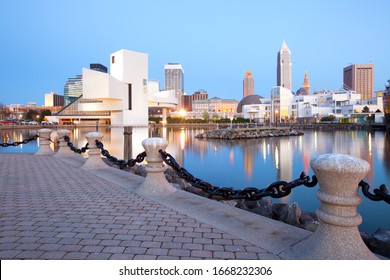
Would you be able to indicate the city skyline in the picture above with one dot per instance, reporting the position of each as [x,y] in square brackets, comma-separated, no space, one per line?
[46,43]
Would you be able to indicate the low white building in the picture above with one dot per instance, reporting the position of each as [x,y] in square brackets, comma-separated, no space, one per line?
[285,107]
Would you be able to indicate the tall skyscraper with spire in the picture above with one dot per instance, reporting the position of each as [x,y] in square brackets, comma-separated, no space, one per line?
[284,67]
[249,84]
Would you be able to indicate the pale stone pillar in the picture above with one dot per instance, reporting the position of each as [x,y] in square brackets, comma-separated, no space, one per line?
[44,143]
[155,183]
[337,236]
[63,150]
[94,160]
[164,116]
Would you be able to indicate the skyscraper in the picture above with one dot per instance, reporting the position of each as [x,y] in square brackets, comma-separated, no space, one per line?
[174,79]
[360,78]
[73,88]
[249,84]
[284,67]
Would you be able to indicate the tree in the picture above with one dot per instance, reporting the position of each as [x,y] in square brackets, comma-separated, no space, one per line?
[366,109]
[329,118]
[44,113]
[32,115]
[206,116]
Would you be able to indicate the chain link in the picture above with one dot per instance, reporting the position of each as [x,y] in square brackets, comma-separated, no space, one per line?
[73,148]
[274,190]
[25,141]
[120,162]
[379,194]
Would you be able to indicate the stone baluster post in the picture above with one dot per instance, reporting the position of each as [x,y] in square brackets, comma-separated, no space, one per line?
[337,236]
[94,160]
[44,143]
[155,183]
[63,150]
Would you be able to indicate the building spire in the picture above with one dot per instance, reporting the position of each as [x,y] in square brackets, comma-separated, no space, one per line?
[306,83]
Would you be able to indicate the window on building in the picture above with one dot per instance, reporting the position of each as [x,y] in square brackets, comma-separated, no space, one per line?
[113,59]
[130,96]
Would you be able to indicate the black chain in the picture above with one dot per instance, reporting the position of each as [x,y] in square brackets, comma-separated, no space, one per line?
[120,162]
[274,190]
[379,194]
[25,141]
[73,148]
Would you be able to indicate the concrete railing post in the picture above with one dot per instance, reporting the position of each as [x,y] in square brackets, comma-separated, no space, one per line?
[63,150]
[94,160]
[44,143]
[155,183]
[337,236]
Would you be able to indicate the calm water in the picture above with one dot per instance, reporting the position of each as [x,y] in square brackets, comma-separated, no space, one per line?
[251,163]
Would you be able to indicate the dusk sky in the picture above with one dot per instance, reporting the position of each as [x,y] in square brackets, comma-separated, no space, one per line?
[44,42]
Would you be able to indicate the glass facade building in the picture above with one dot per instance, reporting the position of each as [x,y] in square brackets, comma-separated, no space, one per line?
[73,88]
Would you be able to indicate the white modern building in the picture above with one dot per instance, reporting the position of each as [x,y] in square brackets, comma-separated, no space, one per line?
[120,98]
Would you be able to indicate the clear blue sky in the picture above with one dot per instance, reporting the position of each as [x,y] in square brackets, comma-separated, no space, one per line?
[44,42]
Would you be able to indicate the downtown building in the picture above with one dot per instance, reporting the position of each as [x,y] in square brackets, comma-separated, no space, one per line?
[214,106]
[248,84]
[284,67]
[360,78]
[174,80]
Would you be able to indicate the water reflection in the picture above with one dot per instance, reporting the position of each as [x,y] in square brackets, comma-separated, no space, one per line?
[251,162]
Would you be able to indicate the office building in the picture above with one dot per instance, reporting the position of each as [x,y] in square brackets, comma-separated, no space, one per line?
[248,84]
[73,89]
[215,105]
[360,78]
[284,68]
[174,79]
[53,99]
[98,67]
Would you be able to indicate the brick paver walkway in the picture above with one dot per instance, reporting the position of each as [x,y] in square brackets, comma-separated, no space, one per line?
[52,210]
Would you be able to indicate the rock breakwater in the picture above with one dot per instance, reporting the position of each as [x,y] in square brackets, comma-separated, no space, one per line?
[248,133]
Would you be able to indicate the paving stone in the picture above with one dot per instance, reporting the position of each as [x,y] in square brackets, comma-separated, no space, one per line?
[77,215]
[114,249]
[92,249]
[99,256]
[179,253]
[145,257]
[246,256]
[76,256]
[54,255]
[26,254]
[202,254]
[157,251]
[121,257]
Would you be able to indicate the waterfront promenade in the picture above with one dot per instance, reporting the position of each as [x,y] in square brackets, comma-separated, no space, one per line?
[50,208]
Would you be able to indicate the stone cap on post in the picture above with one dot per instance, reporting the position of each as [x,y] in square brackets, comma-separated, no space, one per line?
[44,142]
[155,183]
[94,160]
[63,150]
[337,236]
